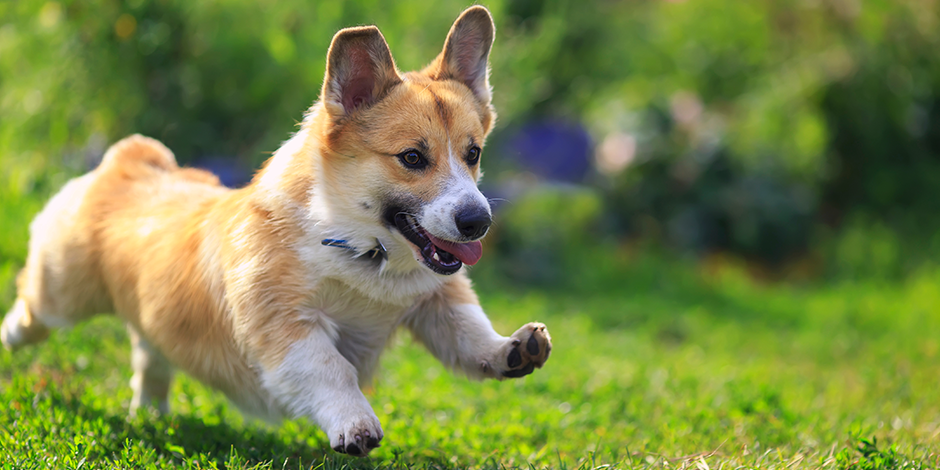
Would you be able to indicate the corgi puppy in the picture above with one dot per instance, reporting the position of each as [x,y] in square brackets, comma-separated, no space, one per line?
[284,293]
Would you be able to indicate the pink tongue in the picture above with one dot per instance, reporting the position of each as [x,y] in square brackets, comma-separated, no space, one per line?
[468,253]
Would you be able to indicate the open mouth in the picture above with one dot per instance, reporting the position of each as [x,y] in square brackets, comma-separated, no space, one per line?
[442,256]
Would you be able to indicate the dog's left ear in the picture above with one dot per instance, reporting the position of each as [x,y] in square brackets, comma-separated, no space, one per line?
[466,53]
[359,71]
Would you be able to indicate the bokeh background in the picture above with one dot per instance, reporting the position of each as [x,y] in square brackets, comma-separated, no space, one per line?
[725,210]
[800,137]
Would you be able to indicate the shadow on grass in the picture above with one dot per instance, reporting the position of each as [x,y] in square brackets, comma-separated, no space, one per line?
[70,424]
[51,422]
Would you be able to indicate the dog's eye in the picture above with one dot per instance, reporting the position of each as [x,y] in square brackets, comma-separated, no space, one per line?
[473,156]
[412,159]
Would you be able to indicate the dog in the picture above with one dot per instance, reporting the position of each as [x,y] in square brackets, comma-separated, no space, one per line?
[283,294]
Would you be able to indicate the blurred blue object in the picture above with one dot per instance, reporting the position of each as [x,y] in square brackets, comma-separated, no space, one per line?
[230,170]
[554,150]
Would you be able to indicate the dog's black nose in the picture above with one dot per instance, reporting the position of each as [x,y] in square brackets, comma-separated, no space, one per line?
[473,222]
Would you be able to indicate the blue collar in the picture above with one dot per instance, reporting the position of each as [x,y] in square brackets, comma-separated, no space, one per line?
[378,252]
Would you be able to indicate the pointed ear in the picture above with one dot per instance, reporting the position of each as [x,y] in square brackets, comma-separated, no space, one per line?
[359,71]
[466,53]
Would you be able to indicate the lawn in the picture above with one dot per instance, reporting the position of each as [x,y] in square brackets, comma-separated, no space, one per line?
[657,363]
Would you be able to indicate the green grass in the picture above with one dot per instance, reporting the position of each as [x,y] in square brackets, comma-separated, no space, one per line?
[656,363]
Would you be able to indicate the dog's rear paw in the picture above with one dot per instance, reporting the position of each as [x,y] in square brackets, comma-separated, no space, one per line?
[528,350]
[358,438]
[20,328]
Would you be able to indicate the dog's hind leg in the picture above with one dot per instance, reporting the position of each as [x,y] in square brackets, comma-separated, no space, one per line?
[20,327]
[153,375]
[60,284]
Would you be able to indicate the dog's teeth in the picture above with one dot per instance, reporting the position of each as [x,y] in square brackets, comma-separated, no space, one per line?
[436,257]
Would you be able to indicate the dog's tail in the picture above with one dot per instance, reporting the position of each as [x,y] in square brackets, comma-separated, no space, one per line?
[137,150]
[138,157]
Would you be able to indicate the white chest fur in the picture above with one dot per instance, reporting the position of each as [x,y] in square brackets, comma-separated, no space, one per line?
[359,325]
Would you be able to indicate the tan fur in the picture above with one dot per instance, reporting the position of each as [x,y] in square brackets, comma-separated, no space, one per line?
[233,286]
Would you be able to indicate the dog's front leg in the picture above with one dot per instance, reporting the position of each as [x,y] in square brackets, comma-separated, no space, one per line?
[314,380]
[455,329]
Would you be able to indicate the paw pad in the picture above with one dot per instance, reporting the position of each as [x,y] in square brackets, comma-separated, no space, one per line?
[530,348]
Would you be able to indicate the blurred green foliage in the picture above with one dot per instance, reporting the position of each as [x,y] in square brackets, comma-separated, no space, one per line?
[762,127]
[758,121]
[218,78]
[528,241]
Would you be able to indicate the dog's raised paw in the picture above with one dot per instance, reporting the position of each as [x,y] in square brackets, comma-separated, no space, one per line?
[529,349]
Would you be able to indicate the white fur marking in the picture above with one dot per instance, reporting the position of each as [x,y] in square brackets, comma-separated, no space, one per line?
[274,173]
[11,332]
[315,381]
[437,217]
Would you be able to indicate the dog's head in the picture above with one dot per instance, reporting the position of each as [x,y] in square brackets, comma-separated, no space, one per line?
[401,152]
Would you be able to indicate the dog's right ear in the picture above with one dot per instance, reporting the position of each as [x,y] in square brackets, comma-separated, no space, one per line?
[466,53]
[359,71]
